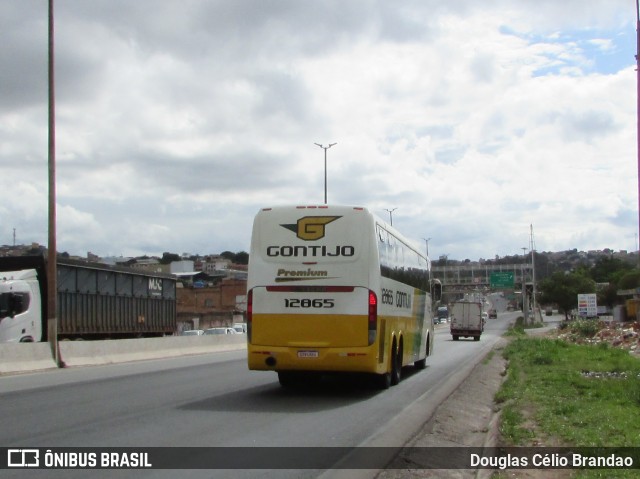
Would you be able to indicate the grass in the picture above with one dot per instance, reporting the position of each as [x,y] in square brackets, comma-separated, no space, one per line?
[561,394]
[488,357]
[586,328]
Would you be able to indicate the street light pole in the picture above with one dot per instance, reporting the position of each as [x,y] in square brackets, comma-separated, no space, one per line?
[444,269]
[533,276]
[325,148]
[391,215]
[525,305]
[426,240]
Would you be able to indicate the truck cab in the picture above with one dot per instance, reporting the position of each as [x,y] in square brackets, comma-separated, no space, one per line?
[20,307]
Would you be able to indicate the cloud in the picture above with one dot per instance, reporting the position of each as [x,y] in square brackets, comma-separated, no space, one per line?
[177,122]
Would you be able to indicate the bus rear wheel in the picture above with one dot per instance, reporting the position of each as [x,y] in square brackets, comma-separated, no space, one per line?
[422,363]
[383,381]
[287,379]
[396,364]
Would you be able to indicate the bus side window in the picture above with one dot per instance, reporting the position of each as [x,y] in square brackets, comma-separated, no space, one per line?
[383,251]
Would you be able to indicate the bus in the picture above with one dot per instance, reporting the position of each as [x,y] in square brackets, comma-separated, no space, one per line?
[335,289]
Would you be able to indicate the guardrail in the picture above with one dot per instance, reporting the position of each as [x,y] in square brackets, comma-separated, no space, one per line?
[26,357]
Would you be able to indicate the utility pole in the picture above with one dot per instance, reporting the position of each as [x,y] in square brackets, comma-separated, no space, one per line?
[325,148]
[52,257]
[533,274]
[525,303]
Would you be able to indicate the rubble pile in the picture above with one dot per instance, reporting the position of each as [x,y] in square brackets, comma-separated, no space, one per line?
[619,335]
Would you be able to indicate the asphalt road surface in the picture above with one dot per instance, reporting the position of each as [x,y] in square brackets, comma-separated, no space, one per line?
[215,401]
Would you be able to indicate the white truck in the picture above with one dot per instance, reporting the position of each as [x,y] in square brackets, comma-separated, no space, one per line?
[93,302]
[467,320]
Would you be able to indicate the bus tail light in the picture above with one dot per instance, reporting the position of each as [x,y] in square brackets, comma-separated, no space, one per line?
[249,314]
[373,317]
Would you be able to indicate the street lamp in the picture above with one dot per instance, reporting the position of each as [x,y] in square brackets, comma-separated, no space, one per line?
[426,240]
[325,148]
[533,276]
[444,269]
[525,303]
[391,215]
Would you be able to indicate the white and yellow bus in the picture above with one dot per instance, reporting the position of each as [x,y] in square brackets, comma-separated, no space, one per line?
[336,289]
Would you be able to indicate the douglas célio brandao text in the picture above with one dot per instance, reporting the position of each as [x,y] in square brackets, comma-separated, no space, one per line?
[551,461]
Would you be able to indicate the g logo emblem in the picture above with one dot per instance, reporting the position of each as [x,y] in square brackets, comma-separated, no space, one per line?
[311,228]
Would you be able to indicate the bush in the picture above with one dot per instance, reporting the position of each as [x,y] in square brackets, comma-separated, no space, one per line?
[584,327]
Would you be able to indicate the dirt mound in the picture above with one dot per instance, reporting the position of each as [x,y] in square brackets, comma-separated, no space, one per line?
[618,335]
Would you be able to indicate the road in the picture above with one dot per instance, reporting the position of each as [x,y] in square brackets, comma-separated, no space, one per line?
[214,401]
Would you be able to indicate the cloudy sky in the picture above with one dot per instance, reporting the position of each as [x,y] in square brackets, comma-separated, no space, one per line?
[177,120]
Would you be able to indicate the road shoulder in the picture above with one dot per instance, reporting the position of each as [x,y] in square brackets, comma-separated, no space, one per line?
[467,418]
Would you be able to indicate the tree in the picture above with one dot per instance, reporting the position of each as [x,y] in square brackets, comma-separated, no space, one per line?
[629,280]
[241,257]
[607,268]
[563,289]
[168,258]
[228,255]
[608,295]
[624,278]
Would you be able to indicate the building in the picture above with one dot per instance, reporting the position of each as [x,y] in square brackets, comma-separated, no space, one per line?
[205,304]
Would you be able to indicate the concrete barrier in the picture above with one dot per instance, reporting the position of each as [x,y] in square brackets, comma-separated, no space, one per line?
[23,357]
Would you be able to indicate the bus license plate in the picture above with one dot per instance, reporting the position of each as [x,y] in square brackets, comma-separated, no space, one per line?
[307,354]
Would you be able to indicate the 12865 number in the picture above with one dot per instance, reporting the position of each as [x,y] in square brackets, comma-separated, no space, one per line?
[308,303]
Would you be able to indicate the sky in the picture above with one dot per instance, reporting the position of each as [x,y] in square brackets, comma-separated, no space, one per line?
[476,123]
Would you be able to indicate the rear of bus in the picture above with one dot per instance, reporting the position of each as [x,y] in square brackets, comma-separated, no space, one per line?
[311,304]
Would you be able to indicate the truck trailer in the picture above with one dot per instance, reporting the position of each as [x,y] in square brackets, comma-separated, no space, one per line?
[94,301]
[466,320]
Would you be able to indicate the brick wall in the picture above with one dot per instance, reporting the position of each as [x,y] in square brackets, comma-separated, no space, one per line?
[214,306]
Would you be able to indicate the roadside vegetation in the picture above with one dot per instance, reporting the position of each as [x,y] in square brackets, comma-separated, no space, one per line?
[557,393]
[606,277]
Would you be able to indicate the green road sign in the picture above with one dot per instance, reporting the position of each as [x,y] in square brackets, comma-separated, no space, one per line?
[501,279]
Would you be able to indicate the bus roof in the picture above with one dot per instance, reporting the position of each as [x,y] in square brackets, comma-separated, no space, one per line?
[343,209]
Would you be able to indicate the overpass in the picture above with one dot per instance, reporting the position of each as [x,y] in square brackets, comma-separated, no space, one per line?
[463,278]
